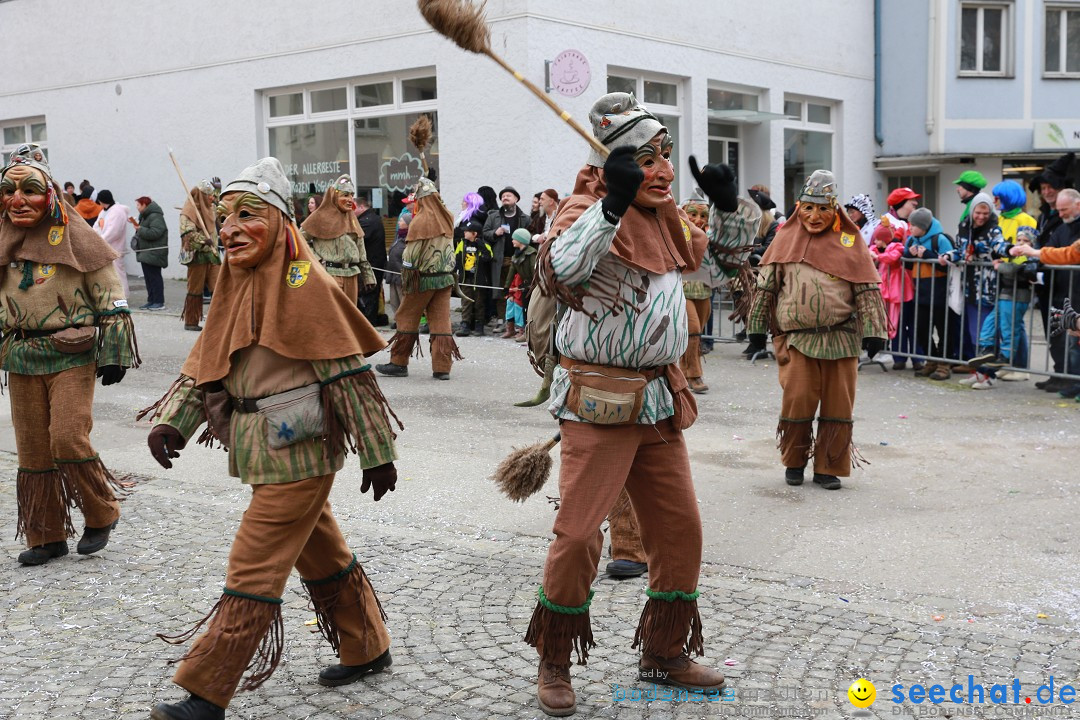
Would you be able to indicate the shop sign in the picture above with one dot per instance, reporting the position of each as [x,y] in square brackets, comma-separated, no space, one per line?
[402,173]
[1056,135]
[570,73]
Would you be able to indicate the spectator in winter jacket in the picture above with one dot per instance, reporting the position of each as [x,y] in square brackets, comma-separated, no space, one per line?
[896,284]
[151,246]
[497,232]
[473,257]
[902,202]
[518,281]
[928,242]
[112,225]
[979,234]
[968,185]
[375,249]
[860,208]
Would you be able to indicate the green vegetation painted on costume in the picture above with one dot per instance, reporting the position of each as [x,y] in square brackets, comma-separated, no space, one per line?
[339,575]
[673,595]
[249,596]
[563,609]
[345,374]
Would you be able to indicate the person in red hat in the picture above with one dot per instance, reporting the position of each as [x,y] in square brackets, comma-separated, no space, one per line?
[902,202]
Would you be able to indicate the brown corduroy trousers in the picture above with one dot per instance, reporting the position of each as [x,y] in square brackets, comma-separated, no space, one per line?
[198,277]
[809,383]
[52,417]
[286,525]
[349,285]
[651,463]
[436,304]
[623,526]
[697,315]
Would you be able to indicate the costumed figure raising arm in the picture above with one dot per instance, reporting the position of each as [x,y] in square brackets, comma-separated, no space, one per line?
[288,391]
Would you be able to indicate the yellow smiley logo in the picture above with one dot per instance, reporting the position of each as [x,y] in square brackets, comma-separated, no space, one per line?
[847,239]
[862,693]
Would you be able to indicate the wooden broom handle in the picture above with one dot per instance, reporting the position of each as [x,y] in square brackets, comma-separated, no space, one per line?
[596,144]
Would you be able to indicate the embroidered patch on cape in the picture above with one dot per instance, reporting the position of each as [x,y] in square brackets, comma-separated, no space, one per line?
[685,231]
[298,273]
[847,239]
[46,271]
[56,235]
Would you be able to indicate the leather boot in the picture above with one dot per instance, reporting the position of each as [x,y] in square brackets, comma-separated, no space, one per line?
[194,708]
[545,387]
[41,554]
[336,675]
[95,539]
[509,332]
[554,691]
[679,671]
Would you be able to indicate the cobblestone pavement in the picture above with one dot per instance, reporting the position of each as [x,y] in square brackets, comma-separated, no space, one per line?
[76,638]
[924,569]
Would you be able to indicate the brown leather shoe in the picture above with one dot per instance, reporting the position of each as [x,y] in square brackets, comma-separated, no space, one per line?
[679,671]
[697,385]
[510,331]
[553,690]
[926,370]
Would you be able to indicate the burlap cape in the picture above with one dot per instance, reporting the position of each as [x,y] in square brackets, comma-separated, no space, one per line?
[292,307]
[651,242]
[329,222]
[431,220]
[80,246]
[839,252]
[200,205]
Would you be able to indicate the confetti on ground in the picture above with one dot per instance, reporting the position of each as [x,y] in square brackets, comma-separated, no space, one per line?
[312,621]
[731,662]
[938,618]
[845,599]
[1042,616]
[902,417]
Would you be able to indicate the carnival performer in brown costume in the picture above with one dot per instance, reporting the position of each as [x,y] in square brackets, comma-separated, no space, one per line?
[617,261]
[698,305]
[427,280]
[818,294]
[198,249]
[279,376]
[337,239]
[64,316]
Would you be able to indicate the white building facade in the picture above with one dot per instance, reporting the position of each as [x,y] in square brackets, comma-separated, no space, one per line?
[223,84]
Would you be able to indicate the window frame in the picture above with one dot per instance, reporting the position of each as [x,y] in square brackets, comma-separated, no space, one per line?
[1007,28]
[27,124]
[352,111]
[1062,7]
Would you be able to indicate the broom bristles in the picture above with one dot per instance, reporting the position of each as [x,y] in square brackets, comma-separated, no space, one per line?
[420,133]
[524,471]
[460,21]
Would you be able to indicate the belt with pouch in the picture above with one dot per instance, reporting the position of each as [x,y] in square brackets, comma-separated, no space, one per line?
[24,334]
[650,373]
[244,405]
[845,326]
[340,266]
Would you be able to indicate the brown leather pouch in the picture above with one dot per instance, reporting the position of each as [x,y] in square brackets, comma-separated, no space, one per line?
[605,395]
[74,340]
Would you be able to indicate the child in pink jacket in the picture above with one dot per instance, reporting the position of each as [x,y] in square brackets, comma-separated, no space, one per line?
[896,284]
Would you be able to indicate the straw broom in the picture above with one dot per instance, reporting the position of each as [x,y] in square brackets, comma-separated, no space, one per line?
[524,471]
[420,135]
[465,24]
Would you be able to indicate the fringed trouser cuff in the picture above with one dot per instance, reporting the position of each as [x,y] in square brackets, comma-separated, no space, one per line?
[402,345]
[795,439]
[444,351]
[245,634]
[45,500]
[193,309]
[326,599]
[555,630]
[834,451]
[89,475]
[670,623]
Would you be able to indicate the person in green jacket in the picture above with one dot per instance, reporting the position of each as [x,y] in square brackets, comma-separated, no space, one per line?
[518,282]
[151,246]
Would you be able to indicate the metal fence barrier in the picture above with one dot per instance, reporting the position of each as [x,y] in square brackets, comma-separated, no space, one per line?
[965,310]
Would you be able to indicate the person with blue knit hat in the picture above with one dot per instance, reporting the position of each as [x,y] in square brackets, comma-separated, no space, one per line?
[518,282]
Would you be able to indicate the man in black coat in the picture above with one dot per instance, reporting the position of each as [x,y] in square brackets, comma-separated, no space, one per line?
[375,246]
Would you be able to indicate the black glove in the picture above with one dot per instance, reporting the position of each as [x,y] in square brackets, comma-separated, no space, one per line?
[718,182]
[623,176]
[754,259]
[165,442]
[873,345]
[383,478]
[757,341]
[1062,320]
[110,374]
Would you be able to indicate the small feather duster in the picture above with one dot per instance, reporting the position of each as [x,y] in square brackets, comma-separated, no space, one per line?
[524,471]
